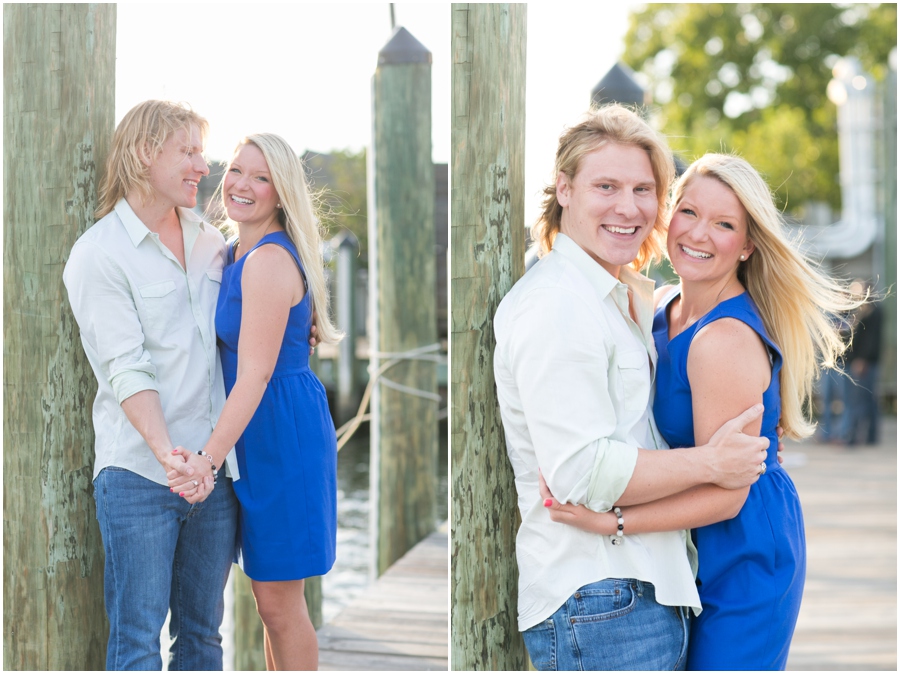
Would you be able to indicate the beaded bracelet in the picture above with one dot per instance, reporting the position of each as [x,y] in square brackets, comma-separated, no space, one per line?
[619,536]
[215,470]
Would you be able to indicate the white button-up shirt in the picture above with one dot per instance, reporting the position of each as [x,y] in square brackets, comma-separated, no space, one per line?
[574,379]
[148,324]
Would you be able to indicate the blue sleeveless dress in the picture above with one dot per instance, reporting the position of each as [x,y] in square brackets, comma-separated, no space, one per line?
[752,568]
[288,454]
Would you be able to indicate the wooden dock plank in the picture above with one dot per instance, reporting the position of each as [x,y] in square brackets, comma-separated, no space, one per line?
[401,622]
[848,618]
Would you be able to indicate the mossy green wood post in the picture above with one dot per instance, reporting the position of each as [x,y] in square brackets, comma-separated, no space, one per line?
[58,121]
[405,428]
[488,253]
[345,247]
[249,654]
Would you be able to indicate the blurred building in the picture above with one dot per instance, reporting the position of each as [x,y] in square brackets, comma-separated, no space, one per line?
[861,240]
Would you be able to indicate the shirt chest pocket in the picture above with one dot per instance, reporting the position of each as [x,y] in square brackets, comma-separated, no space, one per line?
[210,286]
[633,379]
[160,302]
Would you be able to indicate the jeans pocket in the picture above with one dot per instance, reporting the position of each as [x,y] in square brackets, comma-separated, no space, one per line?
[605,600]
[618,625]
[540,641]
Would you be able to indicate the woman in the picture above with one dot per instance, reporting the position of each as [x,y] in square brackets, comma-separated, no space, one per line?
[750,323]
[276,414]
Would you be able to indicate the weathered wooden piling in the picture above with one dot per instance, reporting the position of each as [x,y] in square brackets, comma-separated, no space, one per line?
[346,251]
[58,121]
[401,252]
[488,244]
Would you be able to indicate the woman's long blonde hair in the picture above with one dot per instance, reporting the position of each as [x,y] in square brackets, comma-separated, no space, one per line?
[798,303]
[298,217]
[144,128]
[610,123]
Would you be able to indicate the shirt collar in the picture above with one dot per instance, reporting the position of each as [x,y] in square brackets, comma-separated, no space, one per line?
[642,296]
[604,282]
[137,230]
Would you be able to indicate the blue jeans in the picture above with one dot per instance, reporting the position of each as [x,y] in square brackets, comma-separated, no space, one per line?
[833,387]
[613,624]
[161,553]
[862,417]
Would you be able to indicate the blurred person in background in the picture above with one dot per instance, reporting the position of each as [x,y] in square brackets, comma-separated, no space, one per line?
[833,388]
[861,416]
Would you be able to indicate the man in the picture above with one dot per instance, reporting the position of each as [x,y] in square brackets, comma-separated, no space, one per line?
[861,415]
[143,283]
[573,367]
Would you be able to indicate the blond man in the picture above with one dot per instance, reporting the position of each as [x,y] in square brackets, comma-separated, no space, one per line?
[143,283]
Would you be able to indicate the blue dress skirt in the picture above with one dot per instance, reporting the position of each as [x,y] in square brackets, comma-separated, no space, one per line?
[287,455]
[752,567]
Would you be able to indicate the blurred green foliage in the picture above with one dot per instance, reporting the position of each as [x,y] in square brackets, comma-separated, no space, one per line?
[751,79]
[339,179]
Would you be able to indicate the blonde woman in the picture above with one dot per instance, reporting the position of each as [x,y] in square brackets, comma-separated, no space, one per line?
[749,323]
[276,414]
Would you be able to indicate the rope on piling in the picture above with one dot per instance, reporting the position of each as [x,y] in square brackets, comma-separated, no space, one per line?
[346,431]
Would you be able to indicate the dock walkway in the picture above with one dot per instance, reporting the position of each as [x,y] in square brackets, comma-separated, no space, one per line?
[848,618]
[401,622]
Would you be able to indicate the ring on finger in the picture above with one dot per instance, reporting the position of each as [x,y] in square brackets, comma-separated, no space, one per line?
[762,468]
[196,484]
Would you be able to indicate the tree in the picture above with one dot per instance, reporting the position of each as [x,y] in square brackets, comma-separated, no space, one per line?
[340,180]
[751,78]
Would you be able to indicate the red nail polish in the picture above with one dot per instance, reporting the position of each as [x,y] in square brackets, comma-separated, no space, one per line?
[181,494]
[548,502]
[172,490]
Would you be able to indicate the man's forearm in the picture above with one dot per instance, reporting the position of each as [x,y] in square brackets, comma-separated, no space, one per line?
[144,411]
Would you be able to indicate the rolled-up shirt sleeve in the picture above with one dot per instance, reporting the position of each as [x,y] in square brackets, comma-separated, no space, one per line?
[560,360]
[103,305]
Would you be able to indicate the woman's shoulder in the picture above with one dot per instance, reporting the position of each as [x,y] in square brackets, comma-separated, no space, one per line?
[729,345]
[273,252]
[741,310]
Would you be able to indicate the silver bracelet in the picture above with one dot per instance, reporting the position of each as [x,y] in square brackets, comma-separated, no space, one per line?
[215,471]
[619,536]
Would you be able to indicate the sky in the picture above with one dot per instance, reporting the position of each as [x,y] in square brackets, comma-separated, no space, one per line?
[570,47]
[303,71]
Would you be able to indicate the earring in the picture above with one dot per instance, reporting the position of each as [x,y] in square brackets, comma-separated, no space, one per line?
[279,206]
[743,257]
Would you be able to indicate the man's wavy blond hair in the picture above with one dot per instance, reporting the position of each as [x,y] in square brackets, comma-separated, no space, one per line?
[142,133]
[611,123]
